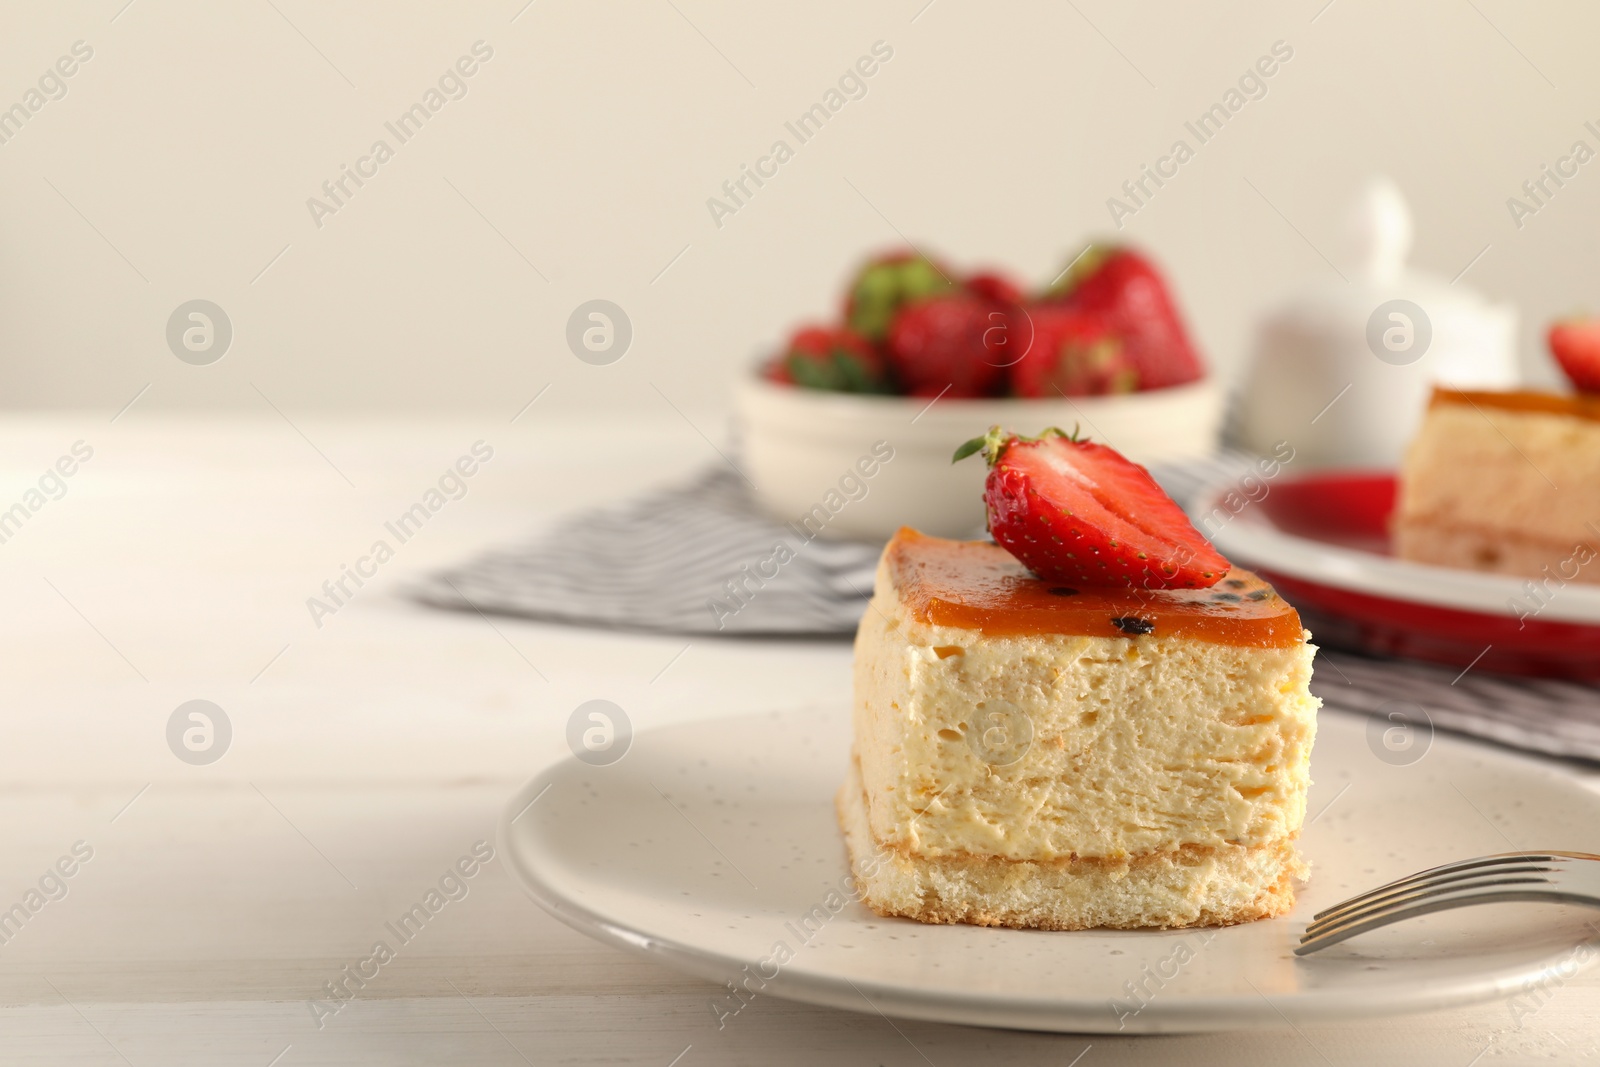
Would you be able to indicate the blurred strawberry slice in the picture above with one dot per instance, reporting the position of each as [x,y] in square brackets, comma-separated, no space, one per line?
[1576,345]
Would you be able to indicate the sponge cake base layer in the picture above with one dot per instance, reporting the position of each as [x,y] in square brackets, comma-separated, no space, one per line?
[1451,544]
[1191,886]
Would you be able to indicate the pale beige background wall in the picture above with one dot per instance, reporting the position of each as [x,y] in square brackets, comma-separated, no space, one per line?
[179,163]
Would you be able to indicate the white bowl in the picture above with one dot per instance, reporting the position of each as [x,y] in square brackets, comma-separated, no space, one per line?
[842,465]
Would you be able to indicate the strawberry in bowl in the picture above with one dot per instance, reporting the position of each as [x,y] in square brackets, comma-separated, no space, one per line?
[953,345]
[888,283]
[827,357]
[1072,353]
[1128,292]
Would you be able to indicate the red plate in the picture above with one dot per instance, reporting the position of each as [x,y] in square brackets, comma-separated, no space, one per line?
[1323,540]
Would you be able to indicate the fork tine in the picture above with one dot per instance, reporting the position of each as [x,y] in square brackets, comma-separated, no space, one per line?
[1497,859]
[1382,898]
[1407,899]
[1403,900]
[1500,892]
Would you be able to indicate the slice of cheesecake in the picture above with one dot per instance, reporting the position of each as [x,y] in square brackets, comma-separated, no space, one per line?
[1032,755]
[1503,482]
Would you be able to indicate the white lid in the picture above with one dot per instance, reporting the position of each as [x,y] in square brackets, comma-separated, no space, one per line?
[1378,230]
[1343,368]
[1377,240]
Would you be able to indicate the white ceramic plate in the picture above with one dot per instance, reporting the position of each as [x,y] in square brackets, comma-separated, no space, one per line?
[707,846]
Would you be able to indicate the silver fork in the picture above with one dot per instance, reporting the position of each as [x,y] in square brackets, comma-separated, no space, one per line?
[1563,877]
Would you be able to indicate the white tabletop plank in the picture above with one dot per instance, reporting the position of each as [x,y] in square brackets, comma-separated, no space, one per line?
[371,753]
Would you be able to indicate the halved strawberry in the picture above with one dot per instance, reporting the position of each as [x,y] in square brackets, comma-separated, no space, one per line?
[1078,513]
[824,357]
[1576,345]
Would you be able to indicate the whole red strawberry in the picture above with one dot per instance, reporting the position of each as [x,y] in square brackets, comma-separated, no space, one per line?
[953,345]
[886,284]
[992,285]
[1576,345]
[1072,353]
[822,357]
[1078,513]
[1127,290]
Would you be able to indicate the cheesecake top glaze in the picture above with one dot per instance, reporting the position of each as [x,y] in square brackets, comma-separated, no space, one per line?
[1577,405]
[977,585]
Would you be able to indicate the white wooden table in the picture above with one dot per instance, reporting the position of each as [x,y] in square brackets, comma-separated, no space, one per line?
[370,754]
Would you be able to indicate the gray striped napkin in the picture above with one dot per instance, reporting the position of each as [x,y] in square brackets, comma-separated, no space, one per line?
[1554,718]
[701,558]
